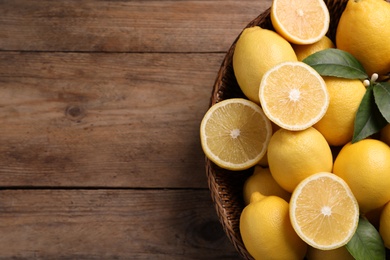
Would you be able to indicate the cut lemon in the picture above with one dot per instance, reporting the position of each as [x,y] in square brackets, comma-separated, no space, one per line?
[293,95]
[300,21]
[235,134]
[323,211]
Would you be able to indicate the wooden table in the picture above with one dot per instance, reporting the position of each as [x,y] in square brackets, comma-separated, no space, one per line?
[100,106]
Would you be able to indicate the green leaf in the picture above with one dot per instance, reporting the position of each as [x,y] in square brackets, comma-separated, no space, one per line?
[366,243]
[369,119]
[382,98]
[336,63]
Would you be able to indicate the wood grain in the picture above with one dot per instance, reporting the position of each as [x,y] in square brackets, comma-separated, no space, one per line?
[103,120]
[124,26]
[100,106]
[109,224]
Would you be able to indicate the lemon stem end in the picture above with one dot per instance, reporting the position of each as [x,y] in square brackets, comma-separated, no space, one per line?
[256,196]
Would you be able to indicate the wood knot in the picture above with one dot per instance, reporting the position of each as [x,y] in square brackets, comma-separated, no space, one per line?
[75,113]
[203,232]
[211,231]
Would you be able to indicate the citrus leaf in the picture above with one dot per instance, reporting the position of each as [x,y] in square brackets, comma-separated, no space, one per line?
[366,243]
[369,119]
[336,63]
[382,98]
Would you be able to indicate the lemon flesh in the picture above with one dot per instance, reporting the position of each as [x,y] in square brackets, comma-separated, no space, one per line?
[293,95]
[235,134]
[300,22]
[324,211]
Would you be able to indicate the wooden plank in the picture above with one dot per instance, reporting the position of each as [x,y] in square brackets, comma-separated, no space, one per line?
[124,26]
[110,224]
[103,120]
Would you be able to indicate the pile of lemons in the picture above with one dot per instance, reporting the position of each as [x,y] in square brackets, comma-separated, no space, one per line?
[310,184]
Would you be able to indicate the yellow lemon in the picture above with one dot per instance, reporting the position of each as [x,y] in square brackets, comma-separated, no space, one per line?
[295,155]
[337,124]
[262,181]
[384,225]
[293,95]
[264,161]
[340,253]
[365,166]
[324,211]
[266,230]
[373,216]
[385,134]
[300,22]
[235,134]
[302,51]
[364,31]
[256,51]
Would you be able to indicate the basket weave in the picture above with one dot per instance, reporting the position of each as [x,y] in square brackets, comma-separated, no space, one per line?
[226,186]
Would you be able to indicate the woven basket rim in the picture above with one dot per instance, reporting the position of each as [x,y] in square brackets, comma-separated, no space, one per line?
[226,186]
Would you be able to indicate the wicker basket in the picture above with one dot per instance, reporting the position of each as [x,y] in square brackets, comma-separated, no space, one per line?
[226,186]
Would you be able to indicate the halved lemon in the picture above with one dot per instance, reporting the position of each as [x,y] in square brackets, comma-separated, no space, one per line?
[324,211]
[235,134]
[300,21]
[293,95]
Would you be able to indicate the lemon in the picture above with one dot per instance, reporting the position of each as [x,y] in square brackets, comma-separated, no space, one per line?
[303,51]
[384,225]
[235,134]
[363,31]
[324,211]
[300,21]
[337,125]
[385,134]
[256,51]
[373,216]
[295,155]
[340,253]
[264,161]
[262,181]
[267,232]
[365,166]
[293,95]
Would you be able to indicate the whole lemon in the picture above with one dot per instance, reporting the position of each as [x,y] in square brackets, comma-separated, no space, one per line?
[384,225]
[385,134]
[256,51]
[337,124]
[364,32]
[365,167]
[262,181]
[266,230]
[340,253]
[295,155]
[302,51]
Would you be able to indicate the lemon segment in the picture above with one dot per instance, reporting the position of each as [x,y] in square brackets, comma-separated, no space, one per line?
[300,21]
[293,95]
[235,134]
[324,211]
